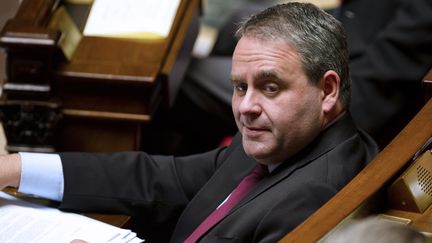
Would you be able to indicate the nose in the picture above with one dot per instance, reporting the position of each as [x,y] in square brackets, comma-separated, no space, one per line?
[249,104]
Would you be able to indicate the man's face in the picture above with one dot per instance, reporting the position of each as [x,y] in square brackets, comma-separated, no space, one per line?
[276,109]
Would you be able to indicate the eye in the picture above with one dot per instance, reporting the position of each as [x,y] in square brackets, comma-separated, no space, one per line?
[271,88]
[240,87]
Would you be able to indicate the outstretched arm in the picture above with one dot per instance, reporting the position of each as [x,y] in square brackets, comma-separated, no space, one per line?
[10,170]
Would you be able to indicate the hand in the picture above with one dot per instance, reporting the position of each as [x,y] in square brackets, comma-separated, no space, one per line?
[10,170]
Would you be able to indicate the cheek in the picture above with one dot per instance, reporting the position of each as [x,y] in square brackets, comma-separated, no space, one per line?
[281,112]
[235,110]
[234,107]
[292,116]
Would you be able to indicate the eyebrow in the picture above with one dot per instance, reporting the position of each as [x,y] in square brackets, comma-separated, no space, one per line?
[234,79]
[269,74]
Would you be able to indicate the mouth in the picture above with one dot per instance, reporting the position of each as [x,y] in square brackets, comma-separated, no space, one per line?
[251,131]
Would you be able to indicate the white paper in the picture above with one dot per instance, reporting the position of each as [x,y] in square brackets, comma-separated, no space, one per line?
[131,17]
[21,221]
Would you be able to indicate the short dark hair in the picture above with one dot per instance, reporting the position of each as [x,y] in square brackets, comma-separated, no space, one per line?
[316,35]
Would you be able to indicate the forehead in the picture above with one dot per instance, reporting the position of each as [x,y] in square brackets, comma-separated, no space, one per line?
[264,57]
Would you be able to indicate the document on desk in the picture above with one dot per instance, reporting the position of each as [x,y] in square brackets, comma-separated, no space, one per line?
[143,19]
[21,221]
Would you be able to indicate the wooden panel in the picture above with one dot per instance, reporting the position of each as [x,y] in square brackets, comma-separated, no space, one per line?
[108,80]
[36,12]
[98,135]
[125,59]
[102,58]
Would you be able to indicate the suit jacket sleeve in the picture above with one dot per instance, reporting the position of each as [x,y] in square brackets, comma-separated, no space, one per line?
[135,183]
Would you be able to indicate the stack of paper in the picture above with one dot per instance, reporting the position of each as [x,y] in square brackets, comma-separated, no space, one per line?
[143,19]
[22,221]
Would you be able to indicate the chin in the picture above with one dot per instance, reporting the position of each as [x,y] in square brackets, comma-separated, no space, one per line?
[263,154]
[257,153]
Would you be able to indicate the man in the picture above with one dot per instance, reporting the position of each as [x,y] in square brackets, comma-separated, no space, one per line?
[291,89]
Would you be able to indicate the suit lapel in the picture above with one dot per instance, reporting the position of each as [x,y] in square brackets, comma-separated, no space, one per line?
[220,185]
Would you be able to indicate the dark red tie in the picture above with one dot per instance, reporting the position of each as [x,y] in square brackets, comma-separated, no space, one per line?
[239,192]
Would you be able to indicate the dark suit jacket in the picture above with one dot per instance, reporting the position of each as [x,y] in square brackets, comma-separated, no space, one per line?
[160,187]
[390,52]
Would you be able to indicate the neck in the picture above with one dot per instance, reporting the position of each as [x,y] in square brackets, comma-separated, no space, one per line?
[332,115]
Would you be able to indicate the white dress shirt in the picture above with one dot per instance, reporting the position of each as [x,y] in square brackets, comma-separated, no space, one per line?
[42,175]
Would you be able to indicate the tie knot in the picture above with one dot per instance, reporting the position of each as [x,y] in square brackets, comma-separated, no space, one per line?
[260,171]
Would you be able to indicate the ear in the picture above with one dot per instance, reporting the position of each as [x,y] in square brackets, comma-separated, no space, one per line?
[330,84]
